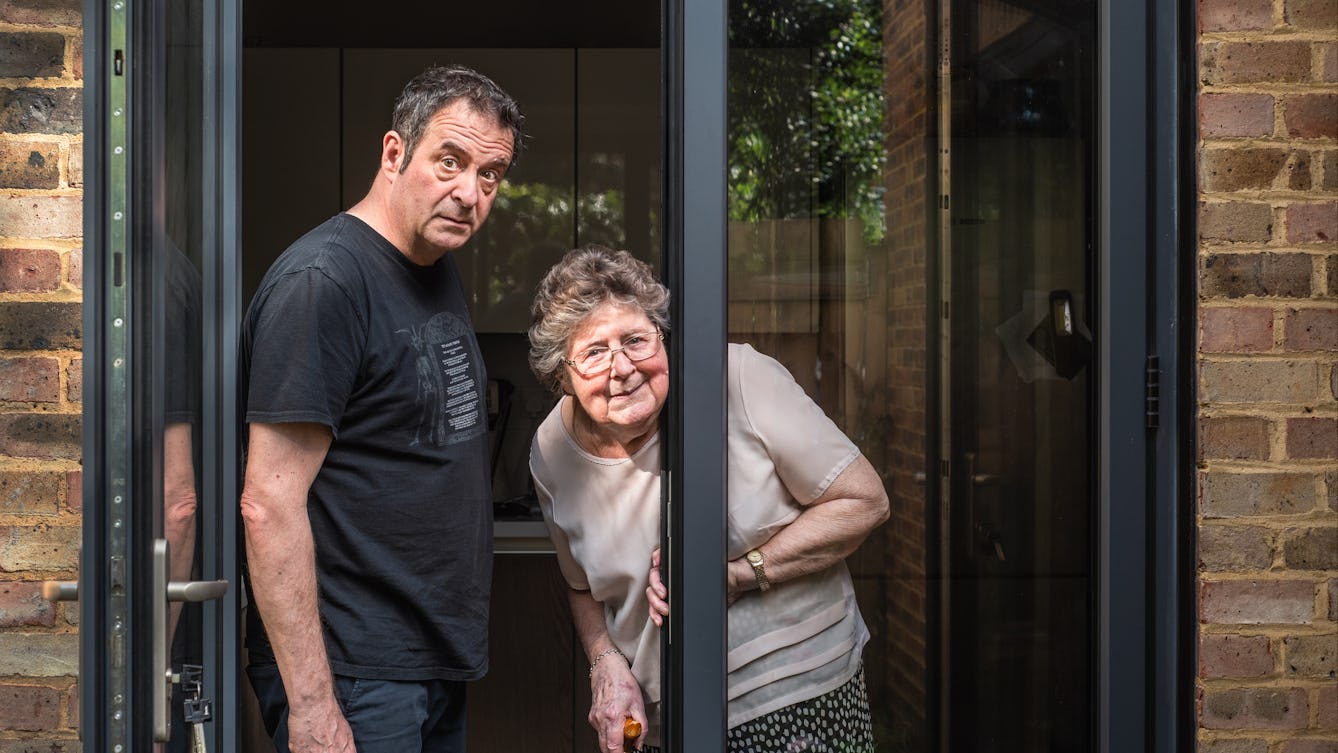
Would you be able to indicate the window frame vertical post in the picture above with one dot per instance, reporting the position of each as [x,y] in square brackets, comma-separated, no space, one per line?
[696,50]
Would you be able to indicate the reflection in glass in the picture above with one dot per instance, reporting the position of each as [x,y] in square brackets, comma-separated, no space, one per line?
[913,248]
[179,246]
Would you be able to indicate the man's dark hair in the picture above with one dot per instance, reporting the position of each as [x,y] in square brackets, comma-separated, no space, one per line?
[441,86]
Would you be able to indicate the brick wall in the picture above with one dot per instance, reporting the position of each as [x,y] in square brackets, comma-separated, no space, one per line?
[41,174]
[907,30]
[1268,376]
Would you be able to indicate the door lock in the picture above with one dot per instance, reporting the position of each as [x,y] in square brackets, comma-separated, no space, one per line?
[195,591]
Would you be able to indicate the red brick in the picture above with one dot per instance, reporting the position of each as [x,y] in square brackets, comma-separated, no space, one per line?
[1310,746]
[21,604]
[1254,62]
[40,325]
[1229,547]
[40,548]
[1312,223]
[1233,745]
[74,491]
[1254,602]
[1234,656]
[1330,61]
[1310,549]
[29,493]
[77,58]
[1314,656]
[1258,381]
[1235,222]
[42,110]
[1311,14]
[1240,168]
[1235,330]
[1312,438]
[1332,264]
[30,380]
[28,164]
[1311,329]
[29,270]
[1255,708]
[1233,438]
[29,708]
[75,167]
[1235,15]
[1235,115]
[29,216]
[74,377]
[1297,170]
[1330,174]
[41,435]
[1233,495]
[27,54]
[1327,706]
[77,268]
[42,12]
[1311,116]
[45,745]
[1264,275]
[1333,600]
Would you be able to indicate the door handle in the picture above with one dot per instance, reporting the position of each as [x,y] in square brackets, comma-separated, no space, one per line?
[192,590]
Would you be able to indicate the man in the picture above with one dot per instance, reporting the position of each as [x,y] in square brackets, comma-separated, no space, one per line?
[367,501]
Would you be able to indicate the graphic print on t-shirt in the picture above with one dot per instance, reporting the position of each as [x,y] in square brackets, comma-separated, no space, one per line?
[449,398]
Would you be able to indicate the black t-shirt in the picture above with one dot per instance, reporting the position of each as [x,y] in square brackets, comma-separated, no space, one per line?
[346,332]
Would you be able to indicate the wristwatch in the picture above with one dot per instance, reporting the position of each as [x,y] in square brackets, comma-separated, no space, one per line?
[755,558]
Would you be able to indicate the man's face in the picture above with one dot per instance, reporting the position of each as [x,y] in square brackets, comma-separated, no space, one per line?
[450,183]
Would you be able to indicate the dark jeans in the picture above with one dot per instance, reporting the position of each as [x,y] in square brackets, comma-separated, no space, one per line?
[386,716]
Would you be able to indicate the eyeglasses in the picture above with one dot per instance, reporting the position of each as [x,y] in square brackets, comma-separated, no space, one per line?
[599,359]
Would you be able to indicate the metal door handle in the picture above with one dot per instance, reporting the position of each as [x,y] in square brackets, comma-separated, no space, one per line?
[193,590]
[60,590]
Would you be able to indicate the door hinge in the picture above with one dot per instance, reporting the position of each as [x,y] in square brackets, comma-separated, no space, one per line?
[1152,392]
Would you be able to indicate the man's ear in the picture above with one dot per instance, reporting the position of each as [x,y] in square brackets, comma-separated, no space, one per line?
[392,153]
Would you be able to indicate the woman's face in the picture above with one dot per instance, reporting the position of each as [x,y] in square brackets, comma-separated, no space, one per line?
[625,399]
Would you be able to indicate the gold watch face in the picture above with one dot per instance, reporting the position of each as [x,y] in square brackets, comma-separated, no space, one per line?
[755,557]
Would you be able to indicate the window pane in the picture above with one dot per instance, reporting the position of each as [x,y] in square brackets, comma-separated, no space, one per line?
[912,246]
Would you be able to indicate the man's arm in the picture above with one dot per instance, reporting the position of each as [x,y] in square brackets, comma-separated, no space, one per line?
[282,462]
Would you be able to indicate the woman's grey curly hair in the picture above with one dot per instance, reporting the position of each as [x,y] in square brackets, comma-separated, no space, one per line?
[585,279]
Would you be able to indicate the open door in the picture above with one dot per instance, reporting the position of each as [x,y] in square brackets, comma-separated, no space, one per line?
[159,442]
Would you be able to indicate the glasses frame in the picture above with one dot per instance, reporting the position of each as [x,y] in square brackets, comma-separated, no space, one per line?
[659,338]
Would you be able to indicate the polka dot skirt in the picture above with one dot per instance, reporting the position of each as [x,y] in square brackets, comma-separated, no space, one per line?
[836,722]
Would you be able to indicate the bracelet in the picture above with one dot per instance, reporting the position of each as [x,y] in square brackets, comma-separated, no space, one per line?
[603,654]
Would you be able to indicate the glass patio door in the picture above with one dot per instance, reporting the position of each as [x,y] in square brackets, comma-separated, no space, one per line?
[916,230]
[156,584]
[1017,245]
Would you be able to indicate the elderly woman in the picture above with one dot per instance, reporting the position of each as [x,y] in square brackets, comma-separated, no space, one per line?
[801,498]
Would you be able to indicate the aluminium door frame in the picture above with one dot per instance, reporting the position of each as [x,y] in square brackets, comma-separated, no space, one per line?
[123,203]
[1141,591]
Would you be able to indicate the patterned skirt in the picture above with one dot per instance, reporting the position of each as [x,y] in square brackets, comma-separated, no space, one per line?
[835,722]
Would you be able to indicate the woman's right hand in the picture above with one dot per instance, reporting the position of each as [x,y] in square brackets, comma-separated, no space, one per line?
[616,696]
[656,593]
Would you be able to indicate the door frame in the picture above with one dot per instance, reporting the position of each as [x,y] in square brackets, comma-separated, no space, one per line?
[1142,546]
[124,200]
[1141,593]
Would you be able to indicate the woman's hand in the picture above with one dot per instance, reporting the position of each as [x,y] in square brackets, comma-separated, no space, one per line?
[656,593]
[616,696]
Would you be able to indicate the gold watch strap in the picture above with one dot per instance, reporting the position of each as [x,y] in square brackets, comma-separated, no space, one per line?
[758,563]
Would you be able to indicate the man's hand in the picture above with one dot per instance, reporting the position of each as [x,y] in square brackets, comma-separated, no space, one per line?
[319,728]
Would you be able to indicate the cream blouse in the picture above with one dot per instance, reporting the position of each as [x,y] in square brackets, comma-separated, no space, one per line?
[794,642]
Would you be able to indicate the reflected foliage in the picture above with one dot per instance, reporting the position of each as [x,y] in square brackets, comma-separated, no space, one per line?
[806,111]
